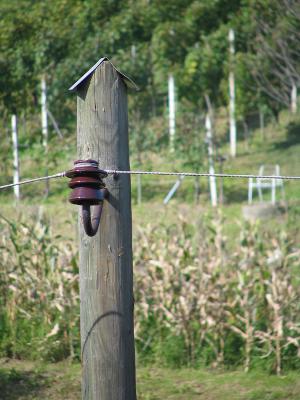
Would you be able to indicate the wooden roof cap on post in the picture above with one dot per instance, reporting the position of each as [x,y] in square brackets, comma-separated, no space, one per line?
[126,79]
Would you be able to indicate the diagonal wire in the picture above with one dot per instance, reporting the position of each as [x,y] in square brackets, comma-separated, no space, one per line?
[42,178]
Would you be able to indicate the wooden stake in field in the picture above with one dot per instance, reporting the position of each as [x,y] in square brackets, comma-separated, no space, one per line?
[232,122]
[15,143]
[105,260]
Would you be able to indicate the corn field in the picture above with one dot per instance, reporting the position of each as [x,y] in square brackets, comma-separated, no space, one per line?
[200,299]
[38,292]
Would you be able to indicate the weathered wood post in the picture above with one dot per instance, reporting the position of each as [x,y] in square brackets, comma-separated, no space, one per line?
[105,260]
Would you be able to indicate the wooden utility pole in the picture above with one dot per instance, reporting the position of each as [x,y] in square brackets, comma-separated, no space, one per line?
[212,179]
[105,260]
[15,142]
[172,111]
[232,121]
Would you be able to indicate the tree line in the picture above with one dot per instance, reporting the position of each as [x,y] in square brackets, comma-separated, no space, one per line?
[149,39]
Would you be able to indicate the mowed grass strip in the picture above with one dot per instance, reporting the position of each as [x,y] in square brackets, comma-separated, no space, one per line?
[28,380]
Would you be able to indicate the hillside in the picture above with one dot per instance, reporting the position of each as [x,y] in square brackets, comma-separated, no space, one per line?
[279,145]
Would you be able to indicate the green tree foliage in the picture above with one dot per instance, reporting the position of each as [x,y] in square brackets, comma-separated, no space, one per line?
[147,39]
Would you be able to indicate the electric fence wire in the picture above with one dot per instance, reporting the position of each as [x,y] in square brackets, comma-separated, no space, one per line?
[161,173]
[203,174]
[27,181]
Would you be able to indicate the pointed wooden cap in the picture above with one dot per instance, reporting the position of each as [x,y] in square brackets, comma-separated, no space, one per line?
[127,80]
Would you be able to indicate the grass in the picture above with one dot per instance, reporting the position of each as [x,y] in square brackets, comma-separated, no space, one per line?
[25,380]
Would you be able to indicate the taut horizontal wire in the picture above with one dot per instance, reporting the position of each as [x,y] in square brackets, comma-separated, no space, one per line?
[42,178]
[239,176]
[162,173]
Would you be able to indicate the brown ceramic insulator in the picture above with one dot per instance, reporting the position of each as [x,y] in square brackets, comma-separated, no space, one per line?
[88,190]
[86,167]
[85,181]
[89,161]
[87,196]
[83,171]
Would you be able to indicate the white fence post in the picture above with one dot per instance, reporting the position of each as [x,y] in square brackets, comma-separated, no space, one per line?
[294,98]
[173,189]
[44,112]
[172,111]
[212,179]
[15,155]
[44,115]
[232,121]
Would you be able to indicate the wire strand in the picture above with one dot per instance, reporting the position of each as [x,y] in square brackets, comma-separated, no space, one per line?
[43,178]
[161,173]
[239,176]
